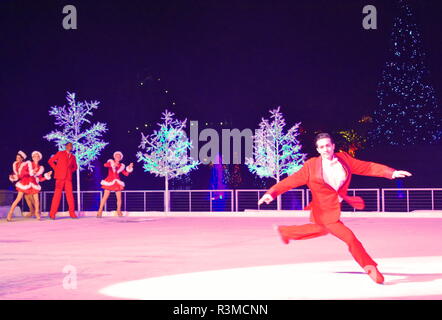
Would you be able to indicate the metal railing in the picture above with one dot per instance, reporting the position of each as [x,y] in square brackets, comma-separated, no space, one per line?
[248,199]
[180,200]
[376,200]
[396,200]
[87,199]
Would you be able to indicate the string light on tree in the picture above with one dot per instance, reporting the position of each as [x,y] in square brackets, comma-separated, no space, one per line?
[276,153]
[87,142]
[165,153]
[407,112]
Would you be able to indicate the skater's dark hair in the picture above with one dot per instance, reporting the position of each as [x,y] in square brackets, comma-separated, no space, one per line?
[323,135]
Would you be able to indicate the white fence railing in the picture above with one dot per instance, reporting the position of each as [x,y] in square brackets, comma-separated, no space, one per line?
[248,199]
[152,200]
[411,199]
[376,200]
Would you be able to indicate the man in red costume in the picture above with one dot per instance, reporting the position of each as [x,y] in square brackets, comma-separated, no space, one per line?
[64,164]
[328,177]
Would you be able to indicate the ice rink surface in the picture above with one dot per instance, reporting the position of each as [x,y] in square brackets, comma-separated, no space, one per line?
[214,258]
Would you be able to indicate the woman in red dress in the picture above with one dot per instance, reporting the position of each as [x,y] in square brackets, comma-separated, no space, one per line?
[29,175]
[113,182]
[20,157]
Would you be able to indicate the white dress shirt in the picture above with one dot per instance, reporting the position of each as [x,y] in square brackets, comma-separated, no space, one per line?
[333,173]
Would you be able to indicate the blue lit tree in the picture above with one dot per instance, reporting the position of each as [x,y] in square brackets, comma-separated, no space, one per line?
[87,142]
[165,153]
[275,152]
[407,111]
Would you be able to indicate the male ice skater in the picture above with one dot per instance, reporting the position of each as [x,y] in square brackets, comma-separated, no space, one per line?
[64,164]
[328,177]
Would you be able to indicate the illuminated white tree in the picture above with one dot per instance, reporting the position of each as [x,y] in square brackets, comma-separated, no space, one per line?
[165,153]
[275,152]
[87,142]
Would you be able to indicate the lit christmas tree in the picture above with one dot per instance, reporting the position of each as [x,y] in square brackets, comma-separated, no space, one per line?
[87,142]
[276,153]
[166,152]
[407,111]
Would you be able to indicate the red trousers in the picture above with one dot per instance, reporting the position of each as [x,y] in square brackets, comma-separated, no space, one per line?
[338,229]
[61,185]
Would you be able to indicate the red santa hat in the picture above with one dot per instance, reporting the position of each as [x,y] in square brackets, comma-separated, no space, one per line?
[37,153]
[22,154]
[118,152]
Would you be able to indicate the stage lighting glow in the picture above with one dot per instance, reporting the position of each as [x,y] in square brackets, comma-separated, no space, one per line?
[414,277]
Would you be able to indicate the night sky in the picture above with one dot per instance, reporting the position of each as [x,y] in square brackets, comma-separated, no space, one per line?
[219,61]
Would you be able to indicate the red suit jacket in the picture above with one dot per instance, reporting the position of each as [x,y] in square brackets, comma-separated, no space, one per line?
[325,206]
[64,164]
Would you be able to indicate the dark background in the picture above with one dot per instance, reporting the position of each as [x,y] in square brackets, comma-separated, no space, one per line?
[220,61]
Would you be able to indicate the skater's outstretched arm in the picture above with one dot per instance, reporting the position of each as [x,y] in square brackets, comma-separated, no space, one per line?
[372,169]
[297,179]
[401,174]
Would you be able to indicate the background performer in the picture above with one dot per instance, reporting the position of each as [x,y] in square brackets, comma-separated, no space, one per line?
[113,181]
[64,164]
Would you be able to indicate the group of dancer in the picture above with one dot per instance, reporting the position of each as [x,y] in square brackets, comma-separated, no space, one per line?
[27,176]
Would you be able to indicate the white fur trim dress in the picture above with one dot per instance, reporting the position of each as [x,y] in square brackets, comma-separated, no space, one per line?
[113,181]
[29,176]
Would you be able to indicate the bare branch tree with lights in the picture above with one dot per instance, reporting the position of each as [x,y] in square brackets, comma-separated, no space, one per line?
[275,152]
[87,142]
[165,153]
